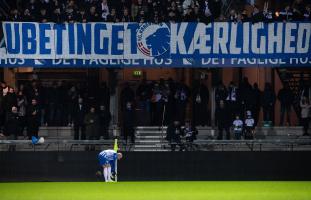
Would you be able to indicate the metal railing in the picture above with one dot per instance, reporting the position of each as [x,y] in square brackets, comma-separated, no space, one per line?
[198,145]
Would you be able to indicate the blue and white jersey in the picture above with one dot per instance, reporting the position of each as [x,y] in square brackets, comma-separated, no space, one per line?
[108,154]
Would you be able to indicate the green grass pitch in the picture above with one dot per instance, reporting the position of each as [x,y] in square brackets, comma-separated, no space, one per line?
[236,190]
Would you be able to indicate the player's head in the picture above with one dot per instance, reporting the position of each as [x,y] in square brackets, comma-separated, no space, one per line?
[237,117]
[120,156]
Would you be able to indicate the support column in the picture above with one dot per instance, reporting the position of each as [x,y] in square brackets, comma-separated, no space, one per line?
[9,77]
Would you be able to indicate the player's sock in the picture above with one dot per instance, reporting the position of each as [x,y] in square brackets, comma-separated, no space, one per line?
[109,173]
[106,174]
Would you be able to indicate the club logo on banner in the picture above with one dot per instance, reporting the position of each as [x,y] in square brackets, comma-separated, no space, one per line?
[153,39]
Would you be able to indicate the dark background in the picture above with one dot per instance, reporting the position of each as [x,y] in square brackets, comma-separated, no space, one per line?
[141,166]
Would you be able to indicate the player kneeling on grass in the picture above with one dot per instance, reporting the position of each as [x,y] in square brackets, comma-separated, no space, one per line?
[107,160]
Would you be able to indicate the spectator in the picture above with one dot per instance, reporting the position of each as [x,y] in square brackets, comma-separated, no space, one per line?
[33,8]
[143,93]
[141,17]
[189,15]
[22,111]
[57,16]
[237,127]
[126,17]
[104,119]
[231,100]
[181,99]
[91,121]
[249,126]
[207,13]
[127,95]
[12,126]
[173,134]
[233,16]
[223,120]
[78,114]
[93,16]
[137,8]
[33,119]
[190,133]
[257,94]
[268,102]
[2,109]
[112,17]
[298,10]
[129,122]
[286,99]
[15,15]
[257,15]
[9,100]
[307,13]
[268,15]
[104,10]
[27,17]
[245,96]
[286,14]
[200,99]
[43,17]
[104,95]
[186,6]
[221,93]
[244,16]
[305,114]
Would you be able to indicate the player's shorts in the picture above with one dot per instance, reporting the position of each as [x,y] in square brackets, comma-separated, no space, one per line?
[103,160]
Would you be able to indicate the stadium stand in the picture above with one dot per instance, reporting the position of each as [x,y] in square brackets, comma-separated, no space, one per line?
[162,101]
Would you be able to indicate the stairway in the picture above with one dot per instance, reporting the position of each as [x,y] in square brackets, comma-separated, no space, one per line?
[149,138]
[152,138]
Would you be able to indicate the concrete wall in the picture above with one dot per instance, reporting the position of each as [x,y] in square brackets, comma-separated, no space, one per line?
[150,166]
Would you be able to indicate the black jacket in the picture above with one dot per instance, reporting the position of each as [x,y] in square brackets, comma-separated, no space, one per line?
[222,117]
[173,132]
[12,125]
[34,115]
[79,114]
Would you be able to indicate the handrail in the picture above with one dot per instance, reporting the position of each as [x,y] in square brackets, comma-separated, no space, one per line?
[200,142]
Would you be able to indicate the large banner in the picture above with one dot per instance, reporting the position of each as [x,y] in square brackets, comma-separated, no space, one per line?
[218,44]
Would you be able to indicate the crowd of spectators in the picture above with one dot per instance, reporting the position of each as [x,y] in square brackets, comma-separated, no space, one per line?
[166,102]
[24,109]
[161,103]
[156,11]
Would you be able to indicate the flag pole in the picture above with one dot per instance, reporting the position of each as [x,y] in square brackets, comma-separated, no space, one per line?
[115,147]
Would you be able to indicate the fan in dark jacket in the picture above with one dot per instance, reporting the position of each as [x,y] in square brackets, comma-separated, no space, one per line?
[223,120]
[286,99]
[78,114]
[91,121]
[104,119]
[33,119]
[189,132]
[173,134]
[12,126]
[129,122]
[200,104]
[268,101]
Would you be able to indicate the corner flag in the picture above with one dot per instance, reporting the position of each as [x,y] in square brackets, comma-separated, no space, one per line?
[115,147]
